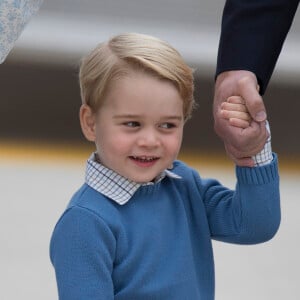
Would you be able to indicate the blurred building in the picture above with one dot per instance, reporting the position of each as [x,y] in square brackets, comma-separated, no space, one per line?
[39,86]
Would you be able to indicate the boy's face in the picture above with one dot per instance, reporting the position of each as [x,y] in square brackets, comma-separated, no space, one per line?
[139,127]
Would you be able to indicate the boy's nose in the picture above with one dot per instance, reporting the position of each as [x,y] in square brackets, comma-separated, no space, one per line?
[149,138]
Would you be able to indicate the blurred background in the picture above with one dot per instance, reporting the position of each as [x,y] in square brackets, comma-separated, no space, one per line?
[40,93]
[43,153]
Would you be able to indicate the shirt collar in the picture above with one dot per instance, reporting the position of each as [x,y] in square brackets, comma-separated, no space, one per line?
[112,184]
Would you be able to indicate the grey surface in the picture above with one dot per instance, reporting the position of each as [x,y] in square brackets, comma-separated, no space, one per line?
[188,11]
[34,193]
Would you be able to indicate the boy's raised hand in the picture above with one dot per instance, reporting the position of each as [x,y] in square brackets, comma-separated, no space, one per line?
[235,111]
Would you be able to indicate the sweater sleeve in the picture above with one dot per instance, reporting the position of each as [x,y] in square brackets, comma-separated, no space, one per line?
[251,213]
[252,36]
[82,250]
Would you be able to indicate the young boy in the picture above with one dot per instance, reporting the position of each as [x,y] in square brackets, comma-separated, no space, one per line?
[141,225]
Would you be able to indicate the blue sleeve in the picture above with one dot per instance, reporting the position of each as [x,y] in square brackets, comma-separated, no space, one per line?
[252,36]
[251,213]
[82,252]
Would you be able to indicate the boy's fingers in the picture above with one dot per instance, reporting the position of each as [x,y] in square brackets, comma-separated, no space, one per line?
[228,114]
[233,107]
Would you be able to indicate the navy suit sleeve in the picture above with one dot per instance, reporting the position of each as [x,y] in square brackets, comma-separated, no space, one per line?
[252,36]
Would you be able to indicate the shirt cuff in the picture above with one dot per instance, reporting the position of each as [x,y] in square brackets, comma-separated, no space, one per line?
[265,156]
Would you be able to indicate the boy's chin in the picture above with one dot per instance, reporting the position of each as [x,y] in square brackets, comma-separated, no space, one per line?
[143,179]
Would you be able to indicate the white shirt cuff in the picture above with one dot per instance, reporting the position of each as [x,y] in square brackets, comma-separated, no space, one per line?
[265,156]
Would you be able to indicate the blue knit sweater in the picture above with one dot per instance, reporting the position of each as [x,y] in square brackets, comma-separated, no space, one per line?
[158,245]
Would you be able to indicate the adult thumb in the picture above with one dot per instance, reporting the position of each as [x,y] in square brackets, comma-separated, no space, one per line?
[249,91]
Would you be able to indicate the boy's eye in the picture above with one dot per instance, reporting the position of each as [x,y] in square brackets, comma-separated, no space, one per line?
[167,125]
[132,124]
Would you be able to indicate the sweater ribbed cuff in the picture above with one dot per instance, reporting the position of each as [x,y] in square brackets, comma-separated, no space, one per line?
[258,175]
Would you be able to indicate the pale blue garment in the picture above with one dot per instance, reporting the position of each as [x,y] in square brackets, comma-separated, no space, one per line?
[14,15]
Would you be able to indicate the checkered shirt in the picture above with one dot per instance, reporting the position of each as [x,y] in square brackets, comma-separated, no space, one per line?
[265,156]
[112,184]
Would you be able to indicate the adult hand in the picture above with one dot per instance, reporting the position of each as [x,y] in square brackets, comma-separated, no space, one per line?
[240,144]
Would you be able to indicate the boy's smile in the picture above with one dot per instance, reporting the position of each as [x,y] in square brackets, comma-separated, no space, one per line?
[138,129]
[144,161]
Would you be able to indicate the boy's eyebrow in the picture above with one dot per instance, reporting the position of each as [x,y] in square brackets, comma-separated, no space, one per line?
[125,116]
[132,116]
[173,118]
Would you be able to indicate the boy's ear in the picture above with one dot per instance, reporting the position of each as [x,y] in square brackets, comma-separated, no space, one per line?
[87,122]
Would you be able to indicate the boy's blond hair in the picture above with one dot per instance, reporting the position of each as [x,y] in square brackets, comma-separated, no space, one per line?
[129,52]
